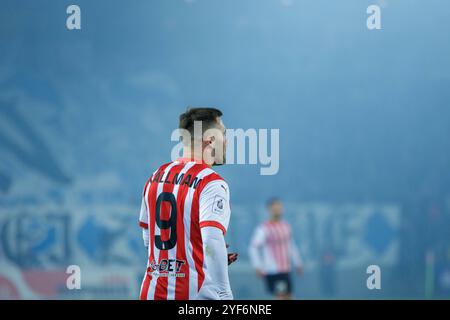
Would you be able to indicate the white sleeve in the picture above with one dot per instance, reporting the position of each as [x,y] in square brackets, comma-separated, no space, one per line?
[215,264]
[214,205]
[143,215]
[146,236]
[143,222]
[256,244]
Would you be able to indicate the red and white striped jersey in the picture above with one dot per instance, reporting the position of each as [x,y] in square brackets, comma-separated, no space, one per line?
[272,248]
[180,198]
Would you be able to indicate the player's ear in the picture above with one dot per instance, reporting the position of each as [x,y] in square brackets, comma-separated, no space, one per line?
[208,140]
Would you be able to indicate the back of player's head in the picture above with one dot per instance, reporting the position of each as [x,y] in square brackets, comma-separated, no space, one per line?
[207,116]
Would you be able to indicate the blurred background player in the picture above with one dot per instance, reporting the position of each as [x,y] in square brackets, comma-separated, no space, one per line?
[273,250]
[185,214]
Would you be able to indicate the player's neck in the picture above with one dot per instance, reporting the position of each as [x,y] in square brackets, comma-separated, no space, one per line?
[194,156]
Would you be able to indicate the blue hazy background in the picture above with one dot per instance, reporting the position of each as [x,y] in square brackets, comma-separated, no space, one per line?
[364,117]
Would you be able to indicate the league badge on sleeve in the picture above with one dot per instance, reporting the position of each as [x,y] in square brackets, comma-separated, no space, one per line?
[218,205]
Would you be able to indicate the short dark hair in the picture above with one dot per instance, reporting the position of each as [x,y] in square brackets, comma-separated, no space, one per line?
[207,116]
[272,201]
